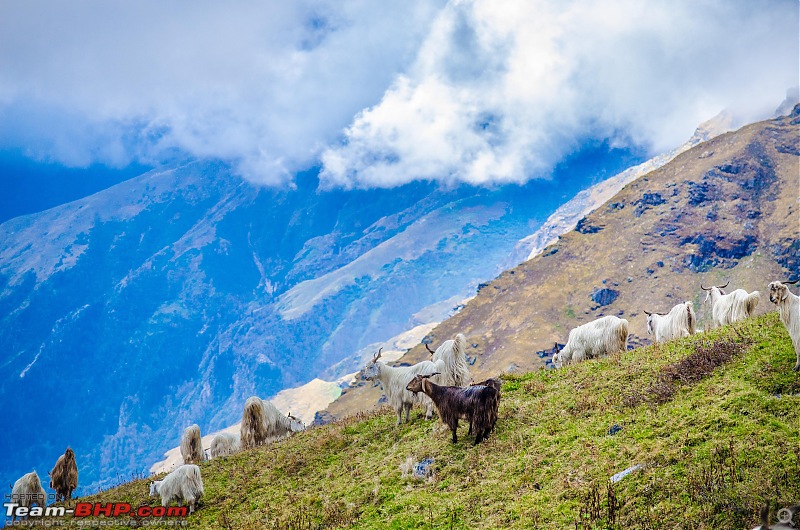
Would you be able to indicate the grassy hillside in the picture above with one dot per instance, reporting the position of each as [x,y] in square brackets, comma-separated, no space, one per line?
[724,210]
[713,447]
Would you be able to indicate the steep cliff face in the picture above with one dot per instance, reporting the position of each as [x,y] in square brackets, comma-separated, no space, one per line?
[726,209]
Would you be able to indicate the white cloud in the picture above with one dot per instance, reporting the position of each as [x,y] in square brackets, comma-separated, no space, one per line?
[263,84]
[384,92]
[501,91]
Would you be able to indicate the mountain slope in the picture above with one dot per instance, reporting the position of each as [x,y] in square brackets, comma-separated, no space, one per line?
[725,210]
[560,436]
[170,298]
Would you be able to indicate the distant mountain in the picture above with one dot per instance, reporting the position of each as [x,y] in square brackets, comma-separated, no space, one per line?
[170,298]
[725,210]
[31,186]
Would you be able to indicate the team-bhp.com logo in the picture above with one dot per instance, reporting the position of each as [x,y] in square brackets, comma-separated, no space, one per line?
[18,509]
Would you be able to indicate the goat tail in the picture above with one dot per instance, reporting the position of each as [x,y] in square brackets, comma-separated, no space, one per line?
[252,420]
[197,447]
[197,480]
[622,334]
[691,319]
[751,302]
[484,415]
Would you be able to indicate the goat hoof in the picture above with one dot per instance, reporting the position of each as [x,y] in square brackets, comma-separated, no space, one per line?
[796,368]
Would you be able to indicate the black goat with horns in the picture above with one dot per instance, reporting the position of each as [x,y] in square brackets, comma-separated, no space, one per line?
[478,404]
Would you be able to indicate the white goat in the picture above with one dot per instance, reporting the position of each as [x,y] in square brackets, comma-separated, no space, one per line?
[185,484]
[453,353]
[224,444]
[679,322]
[192,445]
[730,308]
[28,490]
[789,309]
[262,423]
[393,380]
[600,337]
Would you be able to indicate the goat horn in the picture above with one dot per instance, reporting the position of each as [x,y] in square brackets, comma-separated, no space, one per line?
[791,283]
[378,355]
[556,347]
[648,313]
[705,288]
[429,348]
[429,375]
[723,286]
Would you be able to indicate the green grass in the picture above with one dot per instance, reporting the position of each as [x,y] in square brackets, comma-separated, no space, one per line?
[713,453]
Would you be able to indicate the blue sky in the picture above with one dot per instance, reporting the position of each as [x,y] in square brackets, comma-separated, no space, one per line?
[381,93]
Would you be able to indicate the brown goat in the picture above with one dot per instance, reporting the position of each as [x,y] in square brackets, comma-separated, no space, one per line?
[64,476]
[477,403]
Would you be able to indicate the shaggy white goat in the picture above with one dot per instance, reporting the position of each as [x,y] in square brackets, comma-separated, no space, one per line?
[262,423]
[185,484]
[393,380]
[224,444]
[679,322]
[192,445]
[28,490]
[453,353]
[730,308]
[789,309]
[600,337]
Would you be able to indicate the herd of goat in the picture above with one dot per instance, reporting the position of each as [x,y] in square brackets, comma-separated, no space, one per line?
[442,383]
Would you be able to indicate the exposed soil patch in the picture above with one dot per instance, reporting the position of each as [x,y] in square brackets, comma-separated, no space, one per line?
[689,370]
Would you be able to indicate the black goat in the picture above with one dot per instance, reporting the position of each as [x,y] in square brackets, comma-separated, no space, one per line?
[495,383]
[478,404]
